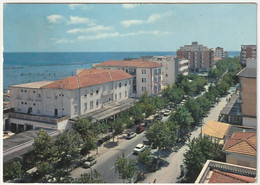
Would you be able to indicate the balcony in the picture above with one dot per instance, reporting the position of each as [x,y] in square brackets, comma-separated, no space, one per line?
[44,119]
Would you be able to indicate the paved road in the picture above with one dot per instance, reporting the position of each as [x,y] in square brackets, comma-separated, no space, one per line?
[105,163]
[169,174]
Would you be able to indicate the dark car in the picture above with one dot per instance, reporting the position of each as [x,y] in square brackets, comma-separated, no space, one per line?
[140,129]
[89,162]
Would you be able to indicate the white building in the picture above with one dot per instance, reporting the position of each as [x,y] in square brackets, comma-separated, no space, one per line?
[53,101]
[147,74]
[171,67]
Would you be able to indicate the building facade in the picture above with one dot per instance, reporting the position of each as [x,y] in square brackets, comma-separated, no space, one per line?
[247,51]
[220,53]
[247,95]
[200,57]
[50,102]
[171,67]
[147,75]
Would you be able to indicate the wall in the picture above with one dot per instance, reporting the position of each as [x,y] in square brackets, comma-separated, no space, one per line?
[249,122]
[248,95]
[140,84]
[239,159]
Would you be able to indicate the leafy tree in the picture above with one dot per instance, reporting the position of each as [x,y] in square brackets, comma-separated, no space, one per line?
[173,127]
[89,178]
[200,150]
[183,119]
[194,108]
[44,152]
[137,113]
[86,129]
[12,170]
[145,157]
[117,126]
[126,169]
[68,145]
[159,136]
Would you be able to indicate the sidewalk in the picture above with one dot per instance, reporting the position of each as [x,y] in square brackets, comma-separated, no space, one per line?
[170,173]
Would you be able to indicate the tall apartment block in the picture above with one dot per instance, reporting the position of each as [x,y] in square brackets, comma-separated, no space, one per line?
[247,51]
[220,53]
[200,57]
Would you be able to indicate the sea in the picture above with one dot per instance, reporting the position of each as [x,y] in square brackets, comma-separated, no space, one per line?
[25,67]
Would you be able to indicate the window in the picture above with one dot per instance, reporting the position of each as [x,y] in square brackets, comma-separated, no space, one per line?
[119,96]
[97,91]
[75,109]
[91,93]
[115,85]
[25,90]
[144,80]
[85,106]
[155,71]
[25,103]
[33,91]
[21,90]
[34,104]
[91,105]
[120,85]
[155,80]
[129,82]
[38,95]
[143,71]
[97,103]
[126,70]
[115,96]
[125,94]
[166,75]
[143,89]
[22,102]
[125,83]
[86,93]
[159,71]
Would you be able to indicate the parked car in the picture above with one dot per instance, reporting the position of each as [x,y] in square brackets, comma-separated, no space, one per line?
[155,164]
[167,112]
[89,162]
[130,135]
[139,148]
[140,129]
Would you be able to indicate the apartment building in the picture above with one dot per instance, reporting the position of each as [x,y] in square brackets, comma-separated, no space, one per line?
[52,101]
[171,67]
[200,57]
[147,75]
[247,51]
[247,94]
[220,53]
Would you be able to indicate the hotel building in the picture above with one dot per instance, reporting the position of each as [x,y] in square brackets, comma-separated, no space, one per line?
[247,51]
[200,57]
[147,75]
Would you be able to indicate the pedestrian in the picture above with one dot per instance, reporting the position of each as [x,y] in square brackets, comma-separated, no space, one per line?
[154,181]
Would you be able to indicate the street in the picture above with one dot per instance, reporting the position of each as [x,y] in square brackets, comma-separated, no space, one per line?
[105,163]
[168,173]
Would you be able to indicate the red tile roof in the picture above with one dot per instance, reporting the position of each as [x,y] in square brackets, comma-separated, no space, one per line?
[225,177]
[242,143]
[89,77]
[131,63]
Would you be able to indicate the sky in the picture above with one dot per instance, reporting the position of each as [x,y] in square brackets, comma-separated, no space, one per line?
[126,27]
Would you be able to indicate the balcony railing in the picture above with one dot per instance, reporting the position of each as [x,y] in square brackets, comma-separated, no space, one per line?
[44,119]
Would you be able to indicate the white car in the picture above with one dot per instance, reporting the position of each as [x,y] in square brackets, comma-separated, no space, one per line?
[130,135]
[139,148]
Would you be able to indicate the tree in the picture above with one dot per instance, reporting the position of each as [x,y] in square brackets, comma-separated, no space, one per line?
[159,136]
[173,127]
[137,113]
[194,108]
[89,178]
[86,129]
[183,119]
[200,150]
[117,126]
[68,145]
[145,157]
[126,169]
[12,170]
[44,152]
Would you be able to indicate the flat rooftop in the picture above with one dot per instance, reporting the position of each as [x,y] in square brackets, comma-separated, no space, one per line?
[33,85]
[232,107]
[20,144]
